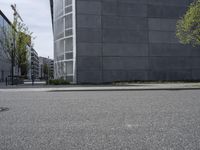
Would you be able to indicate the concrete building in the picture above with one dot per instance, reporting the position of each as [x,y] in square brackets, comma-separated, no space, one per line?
[5,61]
[46,61]
[100,41]
[34,68]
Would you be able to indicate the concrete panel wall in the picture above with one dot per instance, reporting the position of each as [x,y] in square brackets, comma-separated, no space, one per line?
[168,59]
[122,50]
[89,41]
[125,40]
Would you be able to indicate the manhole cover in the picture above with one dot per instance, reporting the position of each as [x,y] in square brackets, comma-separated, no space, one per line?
[3,109]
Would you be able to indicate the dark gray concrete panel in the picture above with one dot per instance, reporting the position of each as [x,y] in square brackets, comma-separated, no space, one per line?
[169,2]
[124,75]
[88,21]
[128,9]
[128,1]
[109,8]
[195,62]
[110,35]
[134,1]
[89,63]
[169,63]
[156,2]
[179,75]
[125,63]
[162,24]
[195,51]
[118,22]
[125,50]
[196,74]
[170,75]
[156,11]
[168,50]
[88,7]
[124,36]
[135,75]
[89,49]
[89,35]
[89,76]
[162,37]
[157,75]
[114,75]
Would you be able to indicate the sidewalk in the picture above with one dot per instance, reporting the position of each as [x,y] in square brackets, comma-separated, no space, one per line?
[124,87]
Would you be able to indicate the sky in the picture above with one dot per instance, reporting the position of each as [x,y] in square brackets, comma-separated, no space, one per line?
[36,15]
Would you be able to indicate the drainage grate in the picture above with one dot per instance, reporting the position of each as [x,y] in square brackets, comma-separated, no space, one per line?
[3,109]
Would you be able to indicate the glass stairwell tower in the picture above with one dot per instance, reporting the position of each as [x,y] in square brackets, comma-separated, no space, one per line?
[64,39]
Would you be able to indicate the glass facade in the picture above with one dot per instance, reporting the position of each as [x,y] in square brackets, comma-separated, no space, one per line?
[1,29]
[64,39]
[5,64]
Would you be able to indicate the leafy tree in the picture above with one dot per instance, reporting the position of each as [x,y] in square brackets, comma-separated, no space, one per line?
[23,38]
[188,27]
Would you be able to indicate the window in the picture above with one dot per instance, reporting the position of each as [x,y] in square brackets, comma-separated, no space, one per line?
[68,21]
[68,44]
[1,27]
[1,21]
[58,11]
[68,2]
[69,55]
[69,67]
[68,9]
[68,32]
[59,28]
[59,47]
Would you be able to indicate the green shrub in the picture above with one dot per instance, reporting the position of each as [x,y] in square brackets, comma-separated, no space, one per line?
[59,82]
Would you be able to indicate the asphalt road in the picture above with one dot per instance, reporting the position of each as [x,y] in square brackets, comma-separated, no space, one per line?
[128,120]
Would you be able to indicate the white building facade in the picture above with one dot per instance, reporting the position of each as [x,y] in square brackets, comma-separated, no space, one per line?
[64,40]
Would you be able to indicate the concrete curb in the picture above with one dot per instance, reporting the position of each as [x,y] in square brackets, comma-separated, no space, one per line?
[95,88]
[125,89]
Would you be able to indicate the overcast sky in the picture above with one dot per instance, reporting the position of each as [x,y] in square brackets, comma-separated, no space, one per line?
[36,15]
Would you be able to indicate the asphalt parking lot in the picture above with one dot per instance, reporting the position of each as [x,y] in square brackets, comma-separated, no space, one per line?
[100,120]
